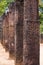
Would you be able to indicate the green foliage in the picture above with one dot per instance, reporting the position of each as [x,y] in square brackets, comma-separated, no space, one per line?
[41,15]
[3,5]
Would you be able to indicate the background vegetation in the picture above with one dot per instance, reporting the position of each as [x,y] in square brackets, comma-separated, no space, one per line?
[4,4]
[41,15]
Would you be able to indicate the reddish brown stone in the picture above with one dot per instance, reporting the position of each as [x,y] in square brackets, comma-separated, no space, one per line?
[21,31]
[31,33]
[9,30]
[19,34]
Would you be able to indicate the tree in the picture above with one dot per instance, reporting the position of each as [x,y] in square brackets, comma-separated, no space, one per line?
[41,15]
[3,5]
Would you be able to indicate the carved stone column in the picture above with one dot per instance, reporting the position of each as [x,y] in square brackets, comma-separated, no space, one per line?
[1,29]
[19,33]
[31,33]
[5,31]
[12,30]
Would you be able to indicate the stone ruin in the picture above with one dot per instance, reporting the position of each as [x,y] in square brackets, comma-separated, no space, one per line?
[21,32]
[9,22]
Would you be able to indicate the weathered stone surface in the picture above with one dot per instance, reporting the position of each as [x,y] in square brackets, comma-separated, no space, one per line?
[5,30]
[31,33]
[9,29]
[19,34]
[1,28]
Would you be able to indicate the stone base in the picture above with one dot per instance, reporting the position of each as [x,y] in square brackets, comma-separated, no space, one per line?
[19,63]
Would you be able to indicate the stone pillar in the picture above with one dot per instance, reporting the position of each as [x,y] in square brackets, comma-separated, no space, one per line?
[19,33]
[31,33]
[12,30]
[5,31]
[1,29]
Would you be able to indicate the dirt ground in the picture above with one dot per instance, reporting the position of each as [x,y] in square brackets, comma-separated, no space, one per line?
[41,54]
[4,57]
